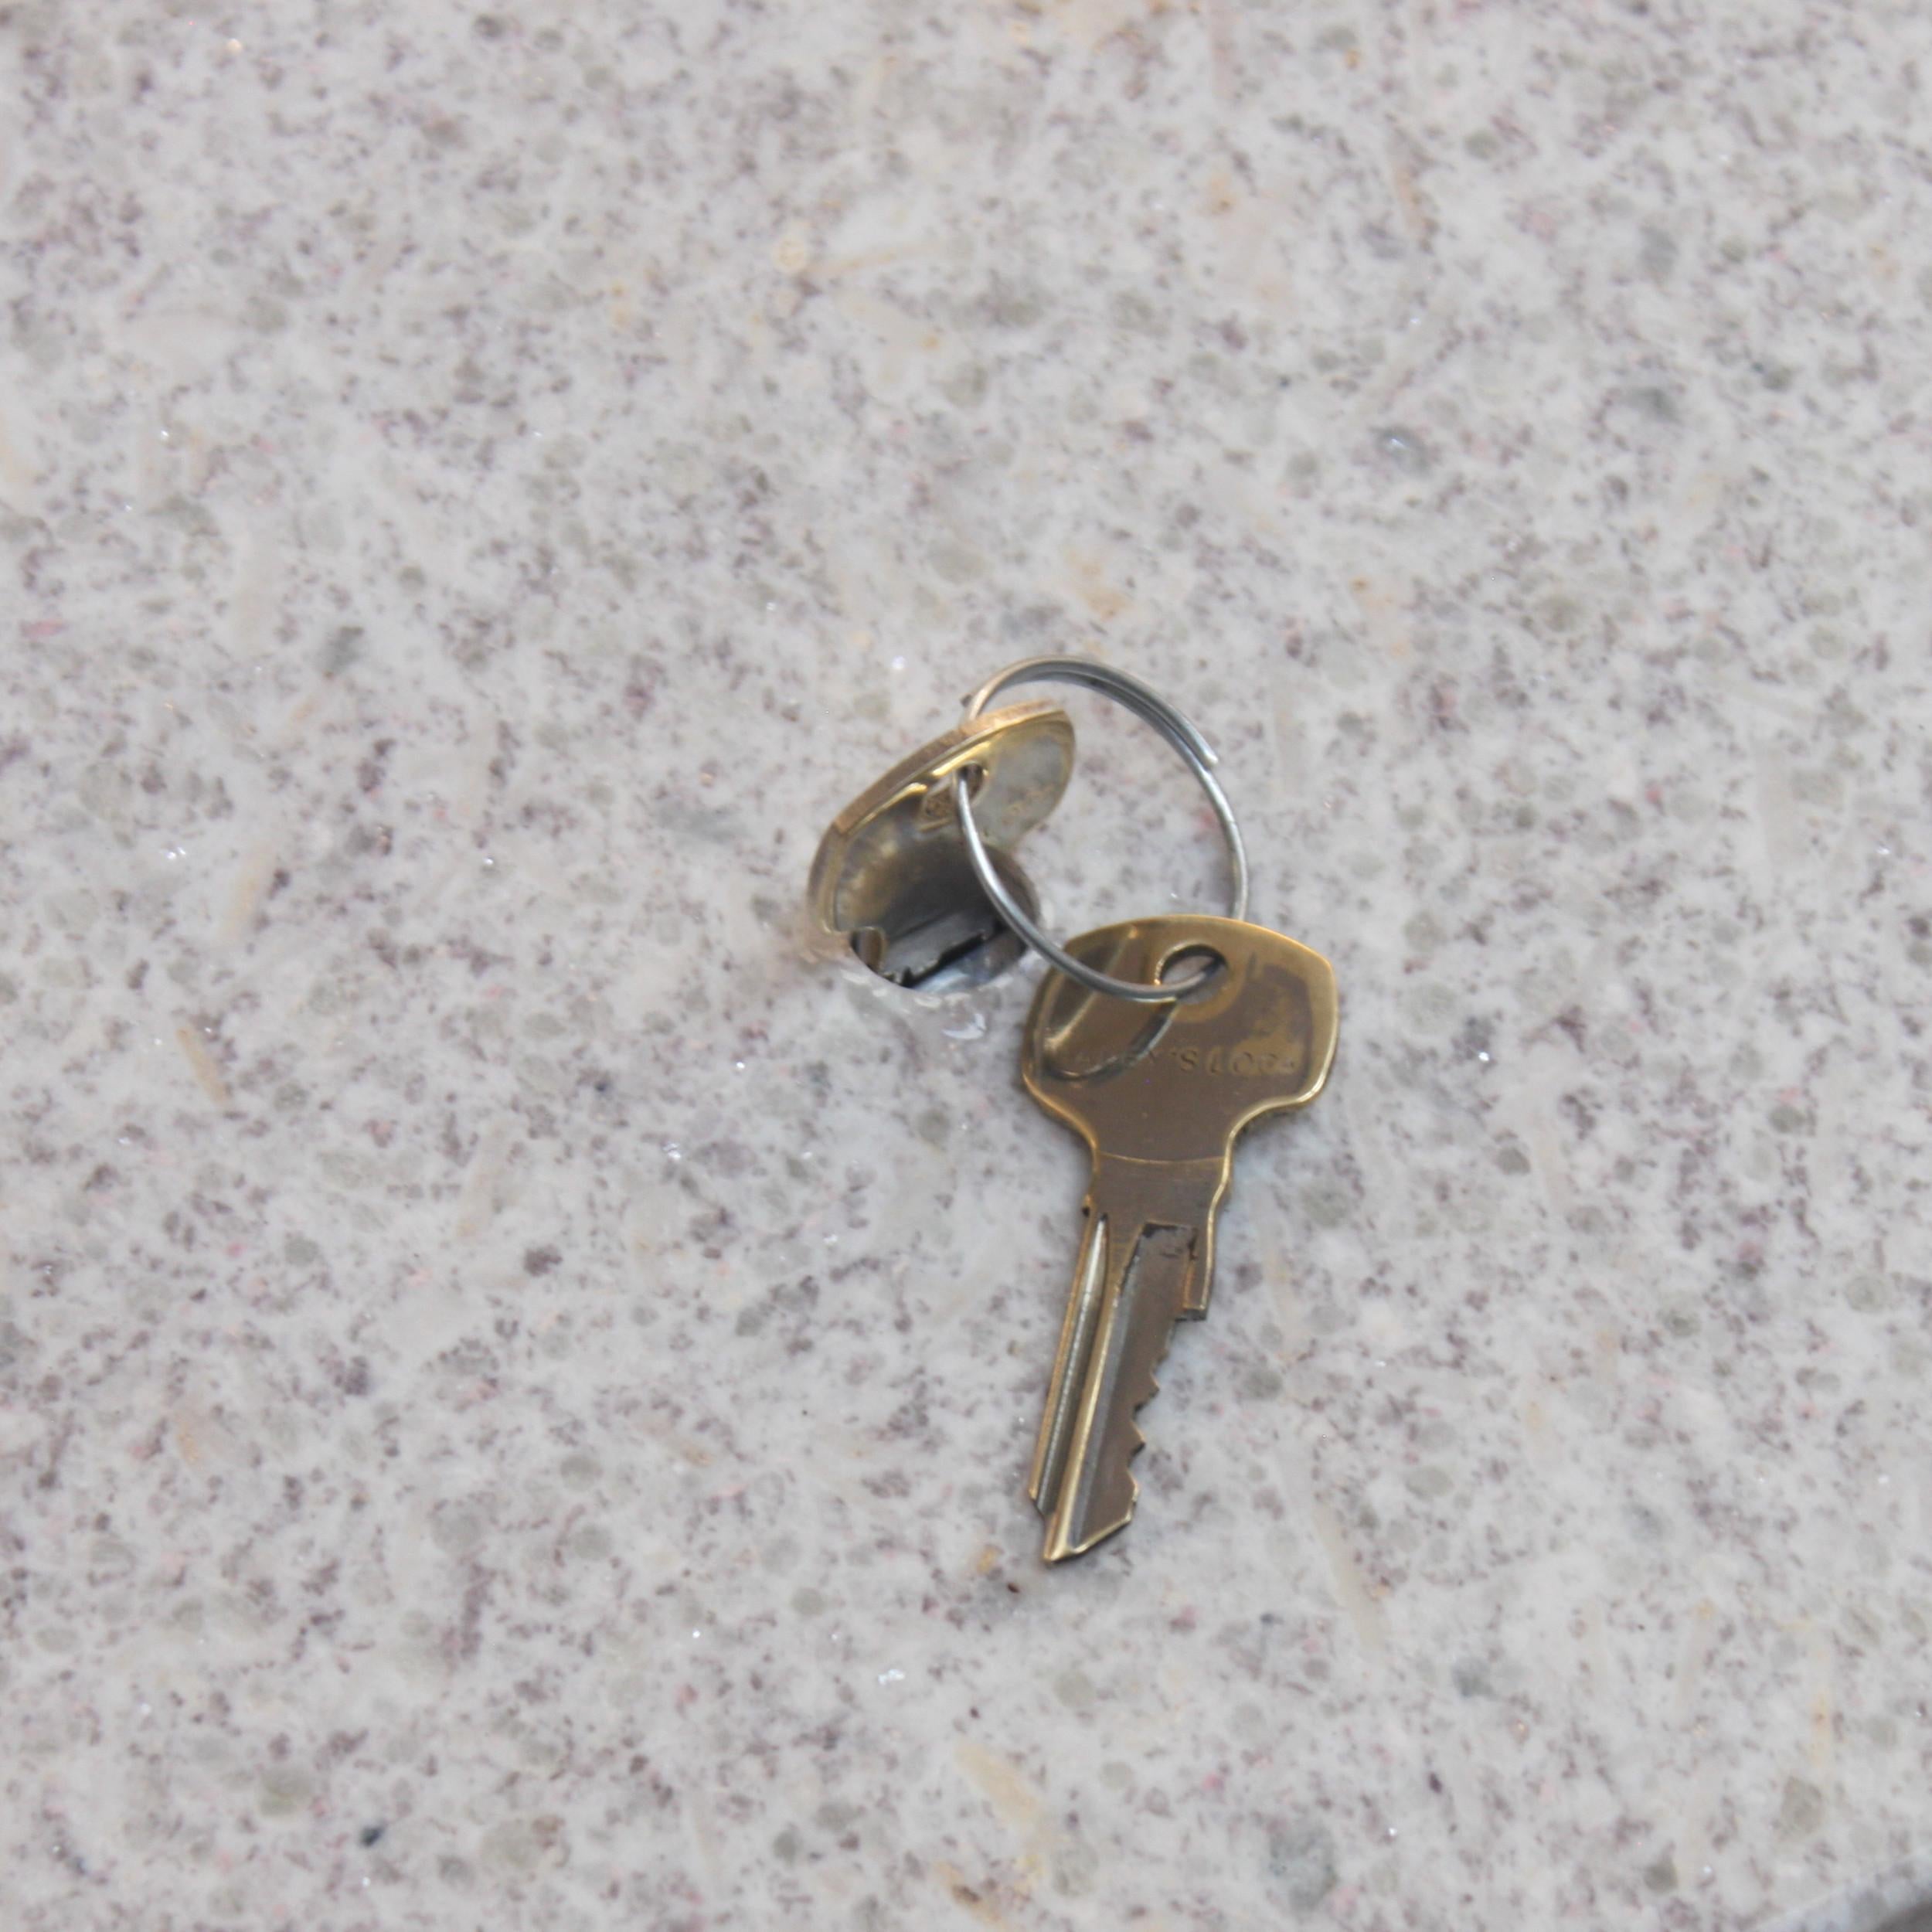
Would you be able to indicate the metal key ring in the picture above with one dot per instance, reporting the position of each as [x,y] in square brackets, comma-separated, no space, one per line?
[1148,705]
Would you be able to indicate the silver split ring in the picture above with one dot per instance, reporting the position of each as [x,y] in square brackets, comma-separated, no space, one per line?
[1179,731]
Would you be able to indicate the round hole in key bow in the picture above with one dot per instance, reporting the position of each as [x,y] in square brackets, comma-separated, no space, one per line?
[1201,963]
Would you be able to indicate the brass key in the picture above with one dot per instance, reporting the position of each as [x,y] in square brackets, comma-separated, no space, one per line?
[1160,1094]
[891,878]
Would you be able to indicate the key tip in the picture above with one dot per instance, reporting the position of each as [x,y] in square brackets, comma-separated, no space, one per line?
[1064,1540]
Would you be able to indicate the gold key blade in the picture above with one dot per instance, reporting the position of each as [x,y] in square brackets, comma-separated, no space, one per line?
[1160,1094]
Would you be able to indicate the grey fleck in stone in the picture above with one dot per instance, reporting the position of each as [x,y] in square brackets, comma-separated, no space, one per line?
[1802,1811]
[1132,310]
[1007,307]
[1430,1009]
[264,314]
[38,336]
[1422,934]
[1869,1294]
[713,825]
[956,562]
[1646,1524]
[74,913]
[580,1469]
[785,1846]
[808,1603]
[1559,613]
[457,1528]
[541,1075]
[1787,1119]
[1260,1382]
[1470,1677]
[110,1557]
[1406,451]
[1661,1874]
[285,1788]
[965,388]
[590,1543]
[513,1844]
[1302,1863]
[1428,1481]
[343,647]
[1511,1159]
[1658,255]
[1076,1864]
[1681,1318]
[1655,401]
[934,1126]
[1821,786]
[1075,1689]
[1327,1204]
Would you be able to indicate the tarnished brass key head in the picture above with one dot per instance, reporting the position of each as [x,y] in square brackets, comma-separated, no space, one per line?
[892,877]
[1160,1094]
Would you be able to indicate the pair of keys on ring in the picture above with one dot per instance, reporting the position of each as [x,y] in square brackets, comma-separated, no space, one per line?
[1156,1040]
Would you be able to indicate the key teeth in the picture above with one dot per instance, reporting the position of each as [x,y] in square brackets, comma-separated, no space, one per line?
[1058,1548]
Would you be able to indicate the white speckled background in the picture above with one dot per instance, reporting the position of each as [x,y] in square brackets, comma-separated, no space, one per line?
[518,1382]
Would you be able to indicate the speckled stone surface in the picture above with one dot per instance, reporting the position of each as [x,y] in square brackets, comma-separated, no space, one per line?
[519,1379]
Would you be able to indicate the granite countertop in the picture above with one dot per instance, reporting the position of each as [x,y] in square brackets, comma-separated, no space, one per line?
[519,1378]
